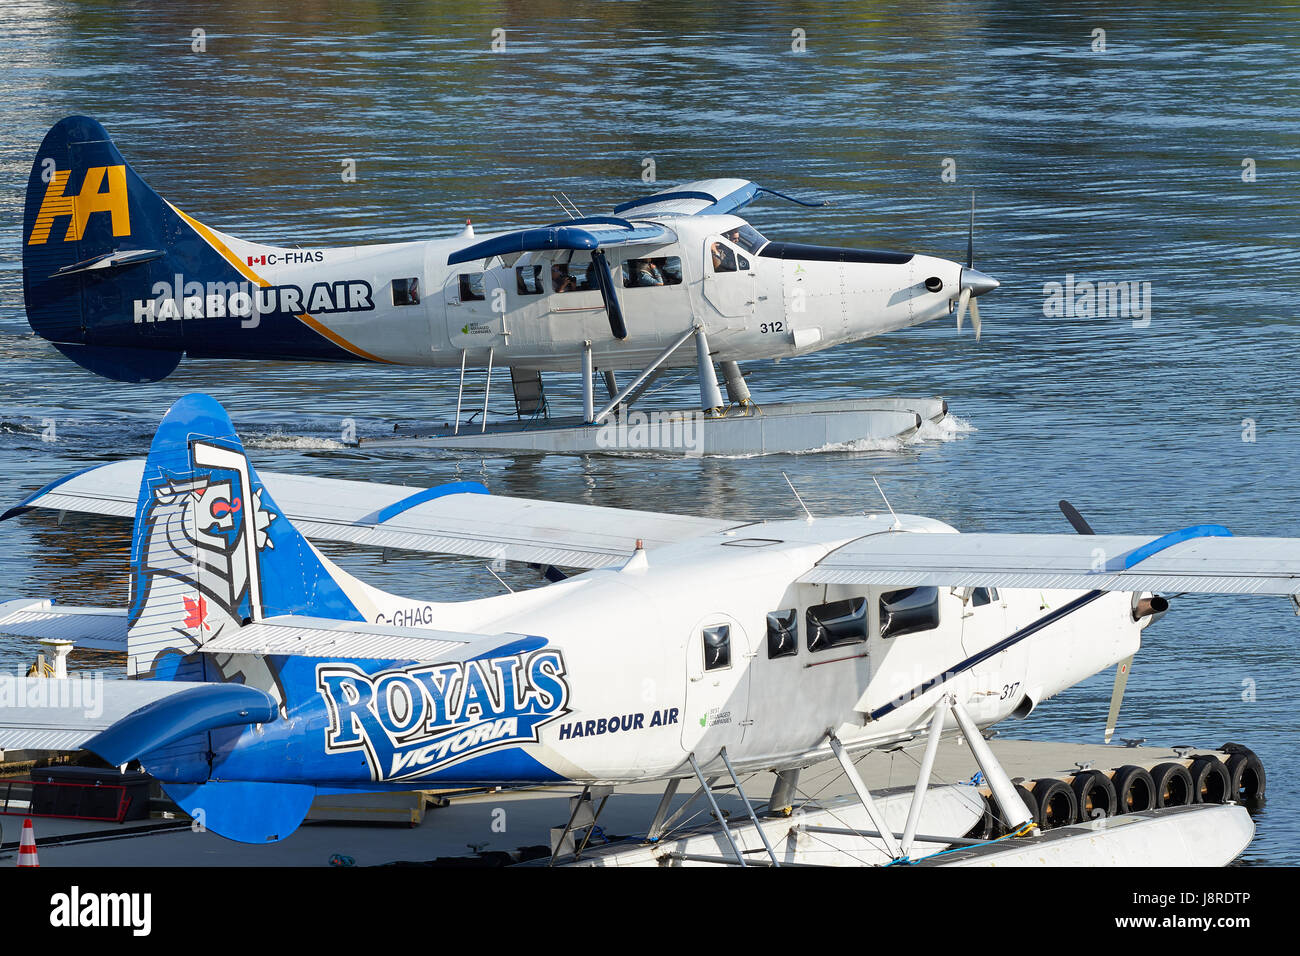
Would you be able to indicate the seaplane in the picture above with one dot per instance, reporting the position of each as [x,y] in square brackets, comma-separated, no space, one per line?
[661,647]
[124,284]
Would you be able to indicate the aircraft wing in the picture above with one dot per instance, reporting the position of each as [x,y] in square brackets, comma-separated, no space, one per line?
[1205,558]
[452,519]
[588,233]
[702,197]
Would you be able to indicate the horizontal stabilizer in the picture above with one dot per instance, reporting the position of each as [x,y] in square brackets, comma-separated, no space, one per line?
[321,637]
[93,628]
[52,713]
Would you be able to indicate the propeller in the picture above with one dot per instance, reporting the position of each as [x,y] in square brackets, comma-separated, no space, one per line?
[1080,524]
[973,283]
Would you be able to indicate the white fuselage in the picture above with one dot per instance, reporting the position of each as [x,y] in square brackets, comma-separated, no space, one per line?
[755,307]
[636,649]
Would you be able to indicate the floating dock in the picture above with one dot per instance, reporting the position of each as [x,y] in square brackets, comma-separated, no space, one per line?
[749,430]
[826,826]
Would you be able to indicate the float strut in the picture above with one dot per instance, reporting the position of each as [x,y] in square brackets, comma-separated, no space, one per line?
[783,792]
[923,777]
[710,396]
[864,795]
[588,398]
[487,388]
[737,390]
[644,374]
[1004,791]
[460,391]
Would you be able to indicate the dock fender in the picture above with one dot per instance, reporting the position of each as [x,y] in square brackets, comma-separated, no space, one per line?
[1095,794]
[1057,805]
[1210,781]
[242,810]
[1173,785]
[1135,791]
[1246,779]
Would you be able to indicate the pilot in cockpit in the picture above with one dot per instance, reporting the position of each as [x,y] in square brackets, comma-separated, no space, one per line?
[724,260]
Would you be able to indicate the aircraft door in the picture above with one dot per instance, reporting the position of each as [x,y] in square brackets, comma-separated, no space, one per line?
[719,657]
[475,306]
[730,282]
[983,624]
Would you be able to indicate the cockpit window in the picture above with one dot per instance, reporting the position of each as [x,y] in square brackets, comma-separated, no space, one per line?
[747,237]
[659,270]
[723,256]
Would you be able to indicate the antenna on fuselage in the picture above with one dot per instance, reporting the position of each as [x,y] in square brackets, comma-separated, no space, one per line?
[573,205]
[897,523]
[556,197]
[796,495]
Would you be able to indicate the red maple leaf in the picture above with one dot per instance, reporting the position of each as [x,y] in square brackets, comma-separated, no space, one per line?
[196,613]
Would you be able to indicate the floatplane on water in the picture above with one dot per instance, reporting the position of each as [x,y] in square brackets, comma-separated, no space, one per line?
[686,648]
[124,283]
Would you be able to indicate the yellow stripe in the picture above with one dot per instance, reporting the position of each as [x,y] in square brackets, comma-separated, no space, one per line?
[340,341]
[210,237]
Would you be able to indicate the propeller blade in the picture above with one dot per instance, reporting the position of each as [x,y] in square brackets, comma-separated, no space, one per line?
[1117,693]
[962,300]
[975,317]
[1076,520]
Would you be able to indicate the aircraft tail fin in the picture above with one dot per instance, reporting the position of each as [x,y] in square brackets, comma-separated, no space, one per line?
[95,237]
[211,550]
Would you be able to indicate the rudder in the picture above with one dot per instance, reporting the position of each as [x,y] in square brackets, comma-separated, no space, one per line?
[94,235]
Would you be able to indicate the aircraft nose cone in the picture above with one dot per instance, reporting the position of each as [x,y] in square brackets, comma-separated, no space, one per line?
[977,282]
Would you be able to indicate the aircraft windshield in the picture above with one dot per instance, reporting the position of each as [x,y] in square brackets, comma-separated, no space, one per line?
[747,237]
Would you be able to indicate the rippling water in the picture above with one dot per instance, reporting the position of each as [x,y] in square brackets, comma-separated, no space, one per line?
[1122,165]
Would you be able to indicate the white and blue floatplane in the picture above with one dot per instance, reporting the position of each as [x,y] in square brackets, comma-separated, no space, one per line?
[683,648]
[124,283]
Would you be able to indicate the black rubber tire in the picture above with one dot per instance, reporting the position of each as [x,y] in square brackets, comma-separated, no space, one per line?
[999,828]
[1210,780]
[1135,791]
[1173,785]
[1246,779]
[1094,792]
[1031,802]
[986,826]
[1057,804]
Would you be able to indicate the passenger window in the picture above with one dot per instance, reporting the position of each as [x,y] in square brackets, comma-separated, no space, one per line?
[659,270]
[717,647]
[570,277]
[406,292]
[528,280]
[909,611]
[783,633]
[981,596]
[836,623]
[471,287]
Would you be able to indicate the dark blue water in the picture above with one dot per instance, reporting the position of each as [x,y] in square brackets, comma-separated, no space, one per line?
[1122,165]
